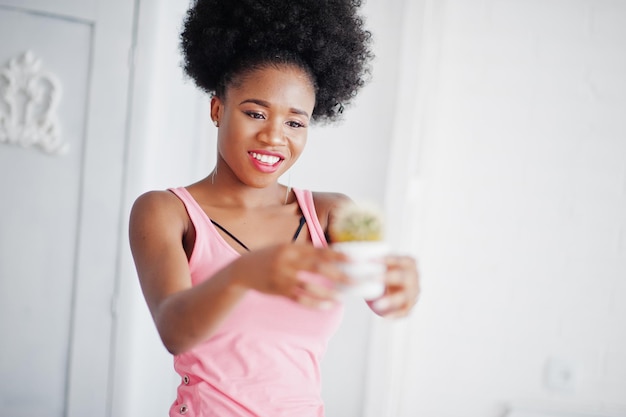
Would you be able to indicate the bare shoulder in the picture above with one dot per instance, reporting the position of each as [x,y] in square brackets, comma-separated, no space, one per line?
[329,200]
[326,202]
[158,207]
[157,200]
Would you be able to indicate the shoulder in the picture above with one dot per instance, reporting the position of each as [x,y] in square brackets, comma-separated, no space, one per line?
[156,200]
[159,207]
[329,200]
[326,203]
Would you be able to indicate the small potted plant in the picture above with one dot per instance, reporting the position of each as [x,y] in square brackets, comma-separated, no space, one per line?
[357,231]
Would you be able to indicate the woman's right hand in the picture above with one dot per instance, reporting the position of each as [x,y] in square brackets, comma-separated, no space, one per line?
[286,270]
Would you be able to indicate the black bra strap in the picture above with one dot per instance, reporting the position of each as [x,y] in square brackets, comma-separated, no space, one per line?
[230,234]
[295,236]
[302,221]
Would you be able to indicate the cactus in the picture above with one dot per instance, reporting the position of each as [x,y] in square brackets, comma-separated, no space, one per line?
[352,222]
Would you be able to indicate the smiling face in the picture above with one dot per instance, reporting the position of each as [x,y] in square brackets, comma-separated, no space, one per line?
[263,123]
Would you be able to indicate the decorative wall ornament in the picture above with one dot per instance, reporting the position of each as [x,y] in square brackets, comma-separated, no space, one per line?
[28,100]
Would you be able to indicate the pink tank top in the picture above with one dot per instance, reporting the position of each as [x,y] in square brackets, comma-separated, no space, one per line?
[264,359]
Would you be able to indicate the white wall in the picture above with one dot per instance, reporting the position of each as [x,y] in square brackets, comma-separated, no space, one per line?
[352,158]
[521,221]
[172,145]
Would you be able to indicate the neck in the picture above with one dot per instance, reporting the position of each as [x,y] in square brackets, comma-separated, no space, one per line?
[228,191]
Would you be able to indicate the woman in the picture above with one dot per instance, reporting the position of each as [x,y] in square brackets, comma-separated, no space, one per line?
[235,268]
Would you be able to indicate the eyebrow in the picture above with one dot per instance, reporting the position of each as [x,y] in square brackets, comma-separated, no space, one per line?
[266,104]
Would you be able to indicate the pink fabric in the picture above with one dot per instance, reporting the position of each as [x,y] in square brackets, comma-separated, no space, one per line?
[264,358]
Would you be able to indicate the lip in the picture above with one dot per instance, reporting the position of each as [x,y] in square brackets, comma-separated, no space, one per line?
[264,167]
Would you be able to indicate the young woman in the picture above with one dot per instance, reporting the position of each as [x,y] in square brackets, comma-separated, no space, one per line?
[236,268]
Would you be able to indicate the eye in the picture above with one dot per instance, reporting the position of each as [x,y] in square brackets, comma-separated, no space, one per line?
[255,115]
[295,124]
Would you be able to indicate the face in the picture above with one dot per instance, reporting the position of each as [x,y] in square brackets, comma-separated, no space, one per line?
[263,124]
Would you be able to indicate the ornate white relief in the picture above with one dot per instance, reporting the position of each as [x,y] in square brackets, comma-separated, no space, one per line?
[28,100]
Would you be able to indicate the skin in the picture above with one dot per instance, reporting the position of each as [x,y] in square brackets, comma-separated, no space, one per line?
[265,111]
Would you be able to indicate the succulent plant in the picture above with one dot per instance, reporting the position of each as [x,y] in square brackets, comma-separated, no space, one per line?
[352,222]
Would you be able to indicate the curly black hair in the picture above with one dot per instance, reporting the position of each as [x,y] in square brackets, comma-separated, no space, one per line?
[224,39]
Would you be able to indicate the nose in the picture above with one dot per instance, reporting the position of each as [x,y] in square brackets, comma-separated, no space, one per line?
[272,133]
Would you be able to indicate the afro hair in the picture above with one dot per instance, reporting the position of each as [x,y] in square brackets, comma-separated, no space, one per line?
[222,40]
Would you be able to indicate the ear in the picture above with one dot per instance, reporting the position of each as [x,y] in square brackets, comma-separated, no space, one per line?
[216,109]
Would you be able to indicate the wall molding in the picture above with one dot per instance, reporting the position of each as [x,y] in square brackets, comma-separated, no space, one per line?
[29,96]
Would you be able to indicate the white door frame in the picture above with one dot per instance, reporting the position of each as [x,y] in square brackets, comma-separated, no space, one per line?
[104,166]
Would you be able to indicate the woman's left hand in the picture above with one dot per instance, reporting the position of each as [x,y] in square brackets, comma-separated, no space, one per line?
[402,288]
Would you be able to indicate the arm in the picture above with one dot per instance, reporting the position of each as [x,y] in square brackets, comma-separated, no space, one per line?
[186,315]
[158,223]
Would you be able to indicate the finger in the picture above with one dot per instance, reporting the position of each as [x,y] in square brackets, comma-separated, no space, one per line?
[390,303]
[320,261]
[329,269]
[396,278]
[319,290]
[322,254]
[333,272]
[396,314]
[402,275]
[400,262]
[306,256]
[307,300]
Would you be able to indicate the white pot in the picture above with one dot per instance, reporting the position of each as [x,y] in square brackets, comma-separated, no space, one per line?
[365,267]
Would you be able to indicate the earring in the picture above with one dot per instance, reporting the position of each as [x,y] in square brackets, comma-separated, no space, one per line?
[288,188]
[216,123]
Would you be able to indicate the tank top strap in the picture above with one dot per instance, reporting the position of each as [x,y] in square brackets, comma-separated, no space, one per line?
[307,205]
[195,212]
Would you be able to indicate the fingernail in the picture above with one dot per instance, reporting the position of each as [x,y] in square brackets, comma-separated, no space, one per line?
[326,305]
